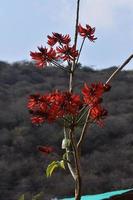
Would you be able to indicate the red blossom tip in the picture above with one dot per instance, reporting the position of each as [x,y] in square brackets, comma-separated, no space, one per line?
[46,149]
[57,37]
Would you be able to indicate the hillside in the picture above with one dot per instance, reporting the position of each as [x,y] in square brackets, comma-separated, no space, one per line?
[107,154]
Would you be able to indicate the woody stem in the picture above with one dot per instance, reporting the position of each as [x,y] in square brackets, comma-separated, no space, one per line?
[77,166]
[72,134]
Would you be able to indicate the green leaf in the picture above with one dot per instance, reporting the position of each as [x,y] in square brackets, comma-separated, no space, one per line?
[38,196]
[55,164]
[21,197]
[51,167]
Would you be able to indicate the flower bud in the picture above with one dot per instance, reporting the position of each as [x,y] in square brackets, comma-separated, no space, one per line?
[106,87]
[65,143]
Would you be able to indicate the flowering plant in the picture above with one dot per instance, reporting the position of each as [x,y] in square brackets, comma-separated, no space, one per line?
[68,106]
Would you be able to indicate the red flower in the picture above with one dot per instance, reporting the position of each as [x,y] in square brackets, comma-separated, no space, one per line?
[87,32]
[72,103]
[92,94]
[46,149]
[44,56]
[98,113]
[67,52]
[58,38]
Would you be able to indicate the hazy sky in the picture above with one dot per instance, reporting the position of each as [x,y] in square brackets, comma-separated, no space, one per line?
[25,25]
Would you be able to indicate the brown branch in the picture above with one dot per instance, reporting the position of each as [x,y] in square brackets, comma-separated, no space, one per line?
[119,69]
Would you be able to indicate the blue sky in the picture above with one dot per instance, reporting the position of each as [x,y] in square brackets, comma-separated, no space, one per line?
[25,25]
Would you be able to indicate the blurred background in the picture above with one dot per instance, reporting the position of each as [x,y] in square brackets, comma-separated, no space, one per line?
[26,24]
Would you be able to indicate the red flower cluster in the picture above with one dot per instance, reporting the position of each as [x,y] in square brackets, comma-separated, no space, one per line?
[55,105]
[61,39]
[44,56]
[92,96]
[64,51]
[52,106]
[87,32]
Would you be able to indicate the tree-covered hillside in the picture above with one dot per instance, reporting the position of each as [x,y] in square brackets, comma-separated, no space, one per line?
[107,154]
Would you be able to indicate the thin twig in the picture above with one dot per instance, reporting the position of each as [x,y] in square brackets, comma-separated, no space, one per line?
[76,26]
[83,130]
[58,65]
[119,69]
[81,116]
[85,106]
[80,50]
